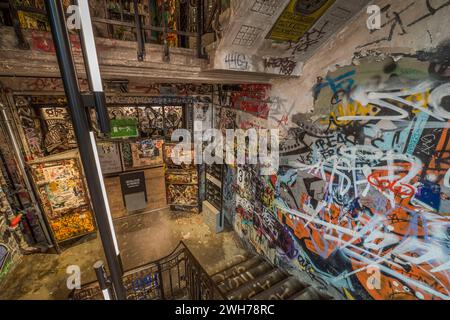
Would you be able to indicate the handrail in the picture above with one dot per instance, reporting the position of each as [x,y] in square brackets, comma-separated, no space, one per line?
[214,285]
[154,262]
[144,27]
[140,27]
[145,265]
[192,284]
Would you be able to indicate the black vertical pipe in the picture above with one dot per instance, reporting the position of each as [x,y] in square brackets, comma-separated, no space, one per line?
[200,18]
[102,111]
[23,44]
[100,272]
[161,282]
[139,32]
[166,55]
[183,15]
[55,13]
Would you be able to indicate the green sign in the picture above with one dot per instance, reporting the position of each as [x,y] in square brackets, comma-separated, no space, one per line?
[124,128]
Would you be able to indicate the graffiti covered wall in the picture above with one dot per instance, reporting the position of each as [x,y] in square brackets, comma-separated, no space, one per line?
[365,194]
[10,253]
[360,206]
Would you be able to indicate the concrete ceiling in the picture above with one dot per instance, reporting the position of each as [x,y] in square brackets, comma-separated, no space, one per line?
[277,36]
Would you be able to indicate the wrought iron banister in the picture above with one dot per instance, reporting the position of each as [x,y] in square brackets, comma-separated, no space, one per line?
[202,285]
[178,275]
[172,23]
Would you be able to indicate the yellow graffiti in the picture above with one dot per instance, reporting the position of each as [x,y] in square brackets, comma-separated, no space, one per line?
[353,109]
[348,295]
[419,98]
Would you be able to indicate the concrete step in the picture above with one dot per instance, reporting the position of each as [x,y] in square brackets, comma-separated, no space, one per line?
[282,290]
[237,269]
[309,294]
[234,283]
[220,267]
[258,285]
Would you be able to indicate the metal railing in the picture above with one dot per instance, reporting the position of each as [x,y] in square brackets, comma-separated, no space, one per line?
[171,23]
[177,276]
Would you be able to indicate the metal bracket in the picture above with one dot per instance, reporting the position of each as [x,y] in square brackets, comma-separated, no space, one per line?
[88,100]
[120,84]
[97,100]
[200,17]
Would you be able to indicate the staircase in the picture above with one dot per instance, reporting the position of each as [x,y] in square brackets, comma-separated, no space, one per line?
[180,276]
[250,277]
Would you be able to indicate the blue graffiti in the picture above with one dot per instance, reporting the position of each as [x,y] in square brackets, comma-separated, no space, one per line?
[145,283]
[337,84]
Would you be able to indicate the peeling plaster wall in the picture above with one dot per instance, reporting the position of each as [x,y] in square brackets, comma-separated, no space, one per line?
[256,34]
[342,49]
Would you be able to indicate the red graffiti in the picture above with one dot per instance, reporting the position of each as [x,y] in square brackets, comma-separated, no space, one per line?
[50,84]
[252,98]
[283,121]
[400,189]
[148,89]
[42,42]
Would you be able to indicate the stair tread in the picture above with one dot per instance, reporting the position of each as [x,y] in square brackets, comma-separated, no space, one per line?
[300,294]
[274,273]
[234,271]
[307,294]
[251,277]
[310,294]
[291,283]
[232,263]
[245,277]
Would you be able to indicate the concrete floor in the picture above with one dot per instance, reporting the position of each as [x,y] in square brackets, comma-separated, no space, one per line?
[142,238]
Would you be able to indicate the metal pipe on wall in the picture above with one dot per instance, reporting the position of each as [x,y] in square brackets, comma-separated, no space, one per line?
[139,31]
[21,165]
[200,17]
[55,13]
[100,272]
[99,100]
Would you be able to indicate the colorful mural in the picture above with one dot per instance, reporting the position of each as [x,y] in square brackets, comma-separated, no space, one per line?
[63,196]
[250,98]
[361,207]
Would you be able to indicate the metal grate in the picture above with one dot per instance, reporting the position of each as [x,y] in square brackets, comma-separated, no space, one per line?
[266,7]
[247,36]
